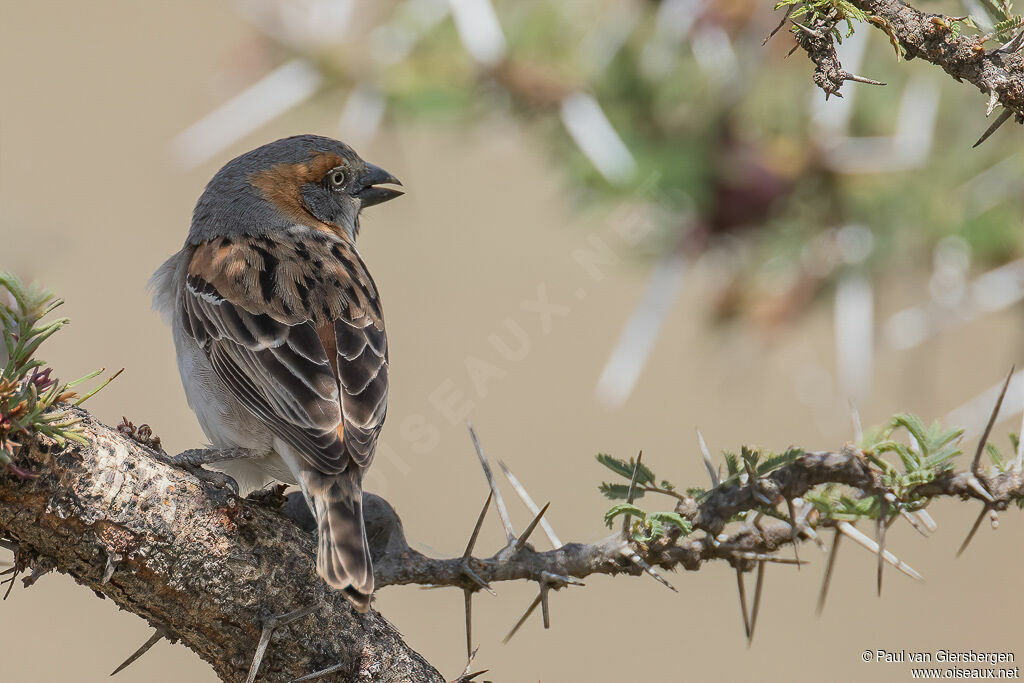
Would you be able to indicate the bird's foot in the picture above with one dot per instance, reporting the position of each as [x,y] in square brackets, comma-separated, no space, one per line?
[193,460]
[195,457]
[272,496]
[214,478]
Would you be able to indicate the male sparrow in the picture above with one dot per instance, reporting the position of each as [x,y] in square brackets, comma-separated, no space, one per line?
[280,335]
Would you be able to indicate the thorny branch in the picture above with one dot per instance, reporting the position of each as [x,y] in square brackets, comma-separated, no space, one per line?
[221,574]
[742,548]
[998,72]
[184,556]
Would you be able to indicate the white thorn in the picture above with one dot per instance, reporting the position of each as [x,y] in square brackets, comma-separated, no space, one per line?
[975,485]
[706,455]
[860,539]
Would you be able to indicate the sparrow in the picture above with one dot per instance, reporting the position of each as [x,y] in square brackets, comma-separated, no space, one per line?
[279,333]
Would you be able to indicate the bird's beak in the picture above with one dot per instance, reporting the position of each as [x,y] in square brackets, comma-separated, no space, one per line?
[369,194]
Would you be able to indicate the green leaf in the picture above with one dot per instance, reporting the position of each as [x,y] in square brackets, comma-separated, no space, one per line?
[732,467]
[673,518]
[775,461]
[619,491]
[914,425]
[623,509]
[644,474]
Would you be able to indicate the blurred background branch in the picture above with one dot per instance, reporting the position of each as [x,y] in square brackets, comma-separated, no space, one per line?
[675,110]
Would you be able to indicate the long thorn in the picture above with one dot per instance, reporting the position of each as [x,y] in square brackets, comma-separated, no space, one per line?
[631,493]
[1003,118]
[855,535]
[847,76]
[976,463]
[510,533]
[1012,46]
[858,430]
[765,557]
[1018,464]
[974,530]
[559,581]
[153,640]
[743,603]
[778,28]
[976,486]
[794,531]
[758,588]
[529,530]
[706,457]
[468,595]
[10,581]
[927,519]
[829,568]
[268,630]
[530,505]
[475,578]
[544,608]
[522,619]
[648,569]
[321,673]
[880,529]
[809,31]
[915,523]
[476,529]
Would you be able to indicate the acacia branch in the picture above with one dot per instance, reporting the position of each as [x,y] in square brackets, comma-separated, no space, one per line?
[741,548]
[998,73]
[201,565]
[211,570]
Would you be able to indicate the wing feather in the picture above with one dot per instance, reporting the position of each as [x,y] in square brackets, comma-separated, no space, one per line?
[309,357]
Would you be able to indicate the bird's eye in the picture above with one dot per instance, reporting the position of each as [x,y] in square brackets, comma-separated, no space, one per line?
[336,178]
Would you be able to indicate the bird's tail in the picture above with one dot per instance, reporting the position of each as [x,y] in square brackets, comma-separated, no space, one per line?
[343,555]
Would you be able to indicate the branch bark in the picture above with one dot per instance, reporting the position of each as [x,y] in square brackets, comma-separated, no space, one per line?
[206,567]
[928,36]
[211,570]
[741,548]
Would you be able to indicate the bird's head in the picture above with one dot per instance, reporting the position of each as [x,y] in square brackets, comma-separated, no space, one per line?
[306,180]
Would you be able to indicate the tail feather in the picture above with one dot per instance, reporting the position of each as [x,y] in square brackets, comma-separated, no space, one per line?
[343,555]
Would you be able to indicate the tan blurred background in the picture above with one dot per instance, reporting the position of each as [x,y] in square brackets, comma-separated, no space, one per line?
[91,204]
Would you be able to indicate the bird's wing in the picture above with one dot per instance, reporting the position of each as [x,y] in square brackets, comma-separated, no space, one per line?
[292,326]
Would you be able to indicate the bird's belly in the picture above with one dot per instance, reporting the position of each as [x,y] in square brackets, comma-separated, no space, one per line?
[225,421]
